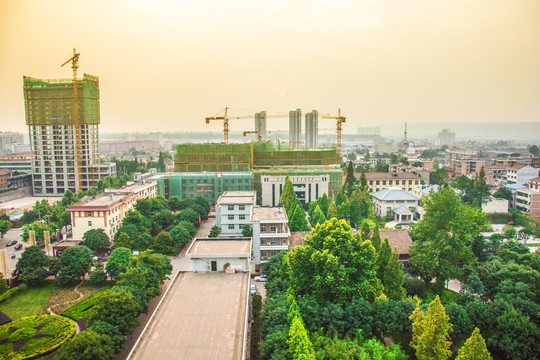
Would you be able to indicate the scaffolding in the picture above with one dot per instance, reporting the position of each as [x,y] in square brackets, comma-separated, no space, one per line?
[50,101]
[248,156]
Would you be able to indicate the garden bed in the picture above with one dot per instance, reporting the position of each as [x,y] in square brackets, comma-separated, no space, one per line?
[35,336]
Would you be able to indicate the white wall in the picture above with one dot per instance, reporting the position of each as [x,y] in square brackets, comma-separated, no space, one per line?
[205,264]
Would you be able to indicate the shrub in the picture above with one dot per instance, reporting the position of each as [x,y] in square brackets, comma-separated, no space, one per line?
[8,294]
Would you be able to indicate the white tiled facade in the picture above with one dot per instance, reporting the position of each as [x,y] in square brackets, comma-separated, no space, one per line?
[233,210]
[307,187]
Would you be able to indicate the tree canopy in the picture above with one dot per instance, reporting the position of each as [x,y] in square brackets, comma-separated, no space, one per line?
[33,265]
[96,239]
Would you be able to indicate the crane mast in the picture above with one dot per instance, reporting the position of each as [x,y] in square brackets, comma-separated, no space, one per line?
[75,65]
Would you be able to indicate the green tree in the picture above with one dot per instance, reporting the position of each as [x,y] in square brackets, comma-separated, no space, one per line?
[363,181]
[534,150]
[516,335]
[87,345]
[214,231]
[181,237]
[430,332]
[332,211]
[477,191]
[376,237]
[5,225]
[164,244]
[300,346]
[39,228]
[161,163]
[439,176]
[474,348]
[124,241]
[443,238]
[118,308]
[287,195]
[98,275]
[33,265]
[112,331]
[350,180]
[118,262]
[298,222]
[190,216]
[390,272]
[96,239]
[394,159]
[247,230]
[381,166]
[74,263]
[332,264]
[503,193]
[318,217]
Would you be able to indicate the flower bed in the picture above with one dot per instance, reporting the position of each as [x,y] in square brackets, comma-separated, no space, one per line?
[34,336]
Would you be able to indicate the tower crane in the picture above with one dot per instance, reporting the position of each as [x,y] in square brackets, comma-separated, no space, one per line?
[75,65]
[339,125]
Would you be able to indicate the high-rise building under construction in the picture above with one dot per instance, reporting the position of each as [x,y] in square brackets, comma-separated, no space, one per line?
[295,128]
[64,156]
[312,129]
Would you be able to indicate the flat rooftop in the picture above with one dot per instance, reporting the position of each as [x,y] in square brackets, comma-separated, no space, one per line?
[217,246]
[268,214]
[202,317]
[104,199]
[237,197]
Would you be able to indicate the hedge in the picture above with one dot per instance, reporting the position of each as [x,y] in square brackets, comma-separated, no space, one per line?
[63,329]
[8,294]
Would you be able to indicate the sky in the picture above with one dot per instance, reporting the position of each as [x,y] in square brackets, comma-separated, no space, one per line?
[165,65]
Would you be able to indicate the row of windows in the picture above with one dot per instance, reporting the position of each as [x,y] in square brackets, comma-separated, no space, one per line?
[390,182]
[240,217]
[240,207]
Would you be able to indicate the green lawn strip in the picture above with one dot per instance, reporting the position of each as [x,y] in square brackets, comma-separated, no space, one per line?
[83,308]
[27,302]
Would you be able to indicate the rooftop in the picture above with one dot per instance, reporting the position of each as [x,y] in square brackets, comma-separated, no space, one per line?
[394,194]
[397,238]
[389,176]
[219,247]
[101,200]
[237,197]
[268,214]
[202,317]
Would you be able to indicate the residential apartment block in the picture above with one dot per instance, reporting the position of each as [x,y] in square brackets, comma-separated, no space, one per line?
[528,201]
[233,211]
[107,210]
[270,233]
[521,174]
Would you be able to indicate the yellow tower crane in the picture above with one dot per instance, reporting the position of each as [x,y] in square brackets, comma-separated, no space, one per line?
[339,125]
[75,65]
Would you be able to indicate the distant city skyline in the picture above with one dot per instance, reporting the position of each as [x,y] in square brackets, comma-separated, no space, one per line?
[166,65]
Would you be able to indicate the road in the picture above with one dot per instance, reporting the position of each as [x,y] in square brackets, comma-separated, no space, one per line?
[13,234]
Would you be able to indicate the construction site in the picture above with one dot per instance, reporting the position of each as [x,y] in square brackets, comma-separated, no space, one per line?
[315,170]
[63,119]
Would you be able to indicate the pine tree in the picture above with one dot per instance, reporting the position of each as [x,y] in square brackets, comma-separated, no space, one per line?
[393,278]
[340,198]
[363,181]
[430,332]
[161,163]
[366,231]
[383,258]
[300,347]
[376,238]
[318,217]
[350,180]
[332,211]
[298,222]
[287,195]
[474,348]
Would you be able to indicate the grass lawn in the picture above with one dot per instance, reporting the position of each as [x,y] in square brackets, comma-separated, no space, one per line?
[84,307]
[27,302]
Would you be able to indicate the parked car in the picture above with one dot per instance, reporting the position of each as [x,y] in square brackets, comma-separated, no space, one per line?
[253,289]
[18,247]
[260,278]
[11,243]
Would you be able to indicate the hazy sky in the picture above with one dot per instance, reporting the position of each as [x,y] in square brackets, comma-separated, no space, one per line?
[165,65]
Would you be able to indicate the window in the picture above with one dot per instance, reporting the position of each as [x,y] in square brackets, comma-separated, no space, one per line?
[231,217]
[241,207]
[273,241]
[384,182]
[273,228]
[89,223]
[390,182]
[89,214]
[231,227]
[230,207]
[241,217]
[377,182]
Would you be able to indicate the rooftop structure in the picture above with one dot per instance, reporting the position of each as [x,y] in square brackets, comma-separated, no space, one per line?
[220,254]
[394,194]
[237,197]
[203,316]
